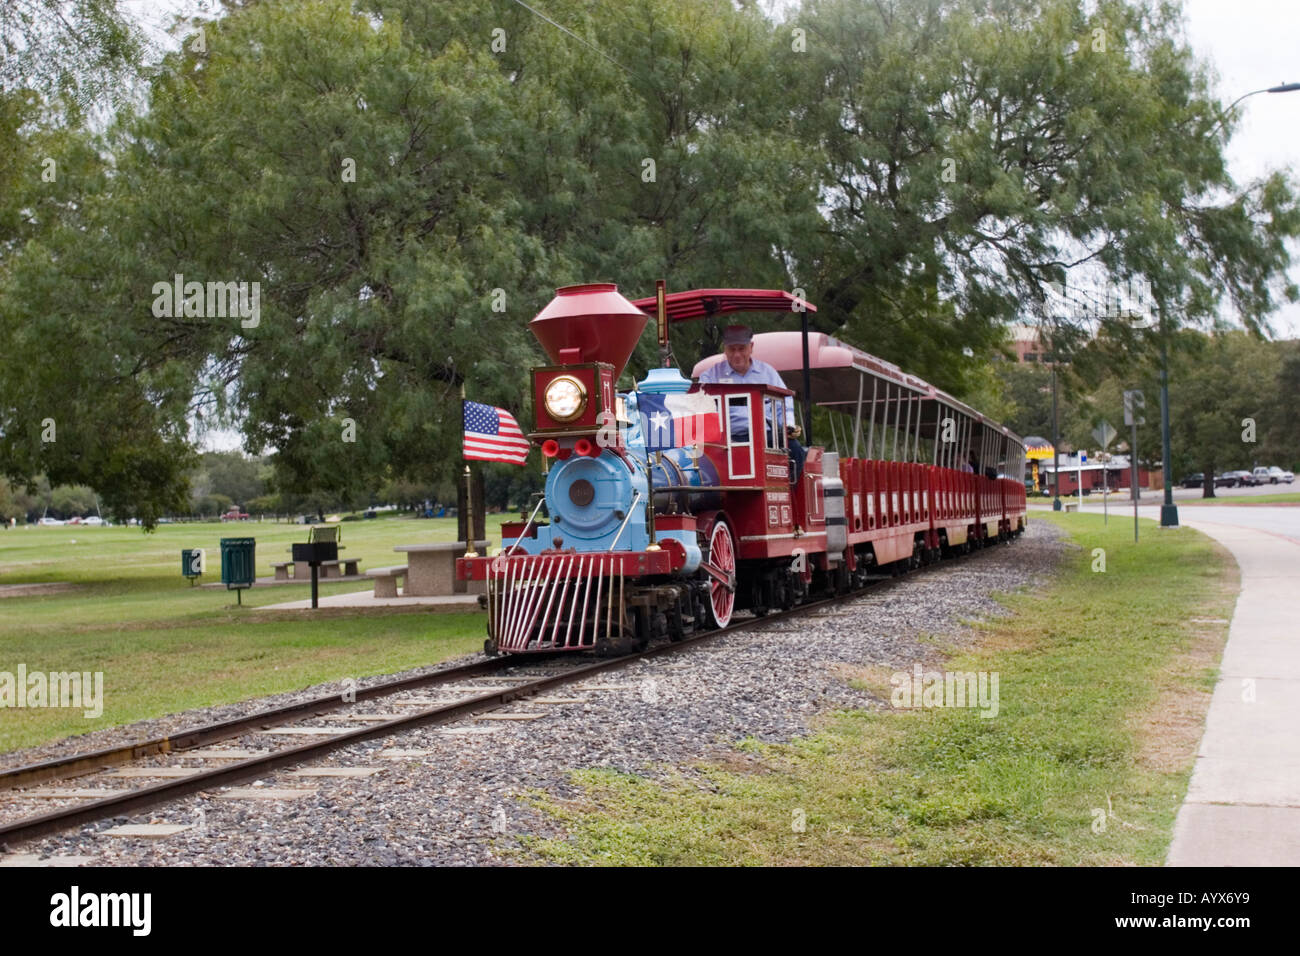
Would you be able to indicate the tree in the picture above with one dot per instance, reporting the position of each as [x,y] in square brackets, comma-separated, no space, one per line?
[72,500]
[77,52]
[15,503]
[1223,400]
[983,152]
[232,474]
[1220,391]
[405,182]
[1281,435]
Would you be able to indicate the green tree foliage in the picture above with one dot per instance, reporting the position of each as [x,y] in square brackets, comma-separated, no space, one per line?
[69,500]
[76,52]
[1280,442]
[407,181]
[979,151]
[15,503]
[231,474]
[505,487]
[1221,397]
[1225,400]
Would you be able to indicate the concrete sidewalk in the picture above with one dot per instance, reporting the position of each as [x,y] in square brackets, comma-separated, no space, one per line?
[367,599]
[1243,803]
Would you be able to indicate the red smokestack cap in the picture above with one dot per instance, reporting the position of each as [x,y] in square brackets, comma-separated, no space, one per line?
[594,319]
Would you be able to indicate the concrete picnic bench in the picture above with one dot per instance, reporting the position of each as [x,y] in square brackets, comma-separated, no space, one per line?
[386,580]
[431,570]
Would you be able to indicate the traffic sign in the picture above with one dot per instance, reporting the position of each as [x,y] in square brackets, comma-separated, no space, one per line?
[1104,435]
[1134,404]
[1083,458]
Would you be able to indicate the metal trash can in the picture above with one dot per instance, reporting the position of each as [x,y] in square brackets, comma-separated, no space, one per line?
[238,564]
[194,561]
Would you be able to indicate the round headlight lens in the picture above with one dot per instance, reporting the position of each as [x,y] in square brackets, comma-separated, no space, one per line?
[565,398]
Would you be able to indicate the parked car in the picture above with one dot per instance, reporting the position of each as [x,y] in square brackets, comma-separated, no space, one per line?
[94,520]
[49,521]
[1239,479]
[1194,481]
[1272,475]
[234,515]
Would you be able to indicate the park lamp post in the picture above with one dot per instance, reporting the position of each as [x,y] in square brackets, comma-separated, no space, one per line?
[1169,511]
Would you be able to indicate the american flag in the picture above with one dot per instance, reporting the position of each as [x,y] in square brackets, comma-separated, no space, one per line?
[492,434]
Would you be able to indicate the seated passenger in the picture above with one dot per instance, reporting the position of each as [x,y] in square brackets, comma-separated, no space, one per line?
[739,367]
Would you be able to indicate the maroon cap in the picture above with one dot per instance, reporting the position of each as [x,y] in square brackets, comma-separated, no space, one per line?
[737,335]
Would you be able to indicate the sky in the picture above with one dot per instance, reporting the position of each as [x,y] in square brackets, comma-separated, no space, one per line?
[1251,44]
[1255,44]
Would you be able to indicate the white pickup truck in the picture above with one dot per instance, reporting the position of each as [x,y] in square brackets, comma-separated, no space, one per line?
[1272,475]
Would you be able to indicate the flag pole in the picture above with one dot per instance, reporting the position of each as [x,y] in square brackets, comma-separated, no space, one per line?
[469,485]
[661,323]
[469,514]
[665,357]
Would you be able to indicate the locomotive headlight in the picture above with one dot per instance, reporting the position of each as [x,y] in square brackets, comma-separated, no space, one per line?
[566,398]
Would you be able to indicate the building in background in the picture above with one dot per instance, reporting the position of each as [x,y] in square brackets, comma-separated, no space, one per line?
[1116,475]
[1029,346]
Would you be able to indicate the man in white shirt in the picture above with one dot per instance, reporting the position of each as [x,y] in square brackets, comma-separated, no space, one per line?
[739,367]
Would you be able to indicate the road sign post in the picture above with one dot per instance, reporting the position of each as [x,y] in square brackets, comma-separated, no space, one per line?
[1134,471]
[1104,435]
[1083,460]
[1105,490]
[1134,403]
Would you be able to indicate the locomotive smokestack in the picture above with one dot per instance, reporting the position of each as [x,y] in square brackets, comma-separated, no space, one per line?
[589,323]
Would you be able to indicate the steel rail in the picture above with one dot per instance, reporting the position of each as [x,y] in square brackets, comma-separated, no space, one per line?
[79,764]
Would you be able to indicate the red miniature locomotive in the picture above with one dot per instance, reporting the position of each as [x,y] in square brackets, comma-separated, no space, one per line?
[669,507]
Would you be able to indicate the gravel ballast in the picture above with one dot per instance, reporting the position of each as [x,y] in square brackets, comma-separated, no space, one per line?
[461,804]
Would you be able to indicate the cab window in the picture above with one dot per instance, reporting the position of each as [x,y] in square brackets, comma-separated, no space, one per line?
[774,416]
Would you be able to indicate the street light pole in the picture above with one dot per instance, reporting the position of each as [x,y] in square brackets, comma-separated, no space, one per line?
[1280,88]
[1056,440]
[1169,511]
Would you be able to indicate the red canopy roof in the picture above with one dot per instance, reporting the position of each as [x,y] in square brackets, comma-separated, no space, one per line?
[698,303]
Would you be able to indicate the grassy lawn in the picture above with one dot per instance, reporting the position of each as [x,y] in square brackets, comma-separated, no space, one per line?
[1278,499]
[1104,682]
[164,646]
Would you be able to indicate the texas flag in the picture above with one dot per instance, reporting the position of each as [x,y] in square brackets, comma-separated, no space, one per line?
[678,420]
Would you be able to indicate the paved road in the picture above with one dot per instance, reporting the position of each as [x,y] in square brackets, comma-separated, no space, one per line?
[1284,522]
[1276,520]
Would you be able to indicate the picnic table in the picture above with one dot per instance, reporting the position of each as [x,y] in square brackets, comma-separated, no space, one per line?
[431,569]
[318,534]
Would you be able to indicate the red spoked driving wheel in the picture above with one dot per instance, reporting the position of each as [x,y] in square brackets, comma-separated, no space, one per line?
[721,569]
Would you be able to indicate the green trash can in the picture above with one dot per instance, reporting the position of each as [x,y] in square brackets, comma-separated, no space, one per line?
[193,563]
[238,564]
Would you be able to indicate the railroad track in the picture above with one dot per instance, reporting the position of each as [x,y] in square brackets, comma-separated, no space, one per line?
[224,767]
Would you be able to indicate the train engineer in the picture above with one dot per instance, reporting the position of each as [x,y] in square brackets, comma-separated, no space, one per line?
[739,367]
